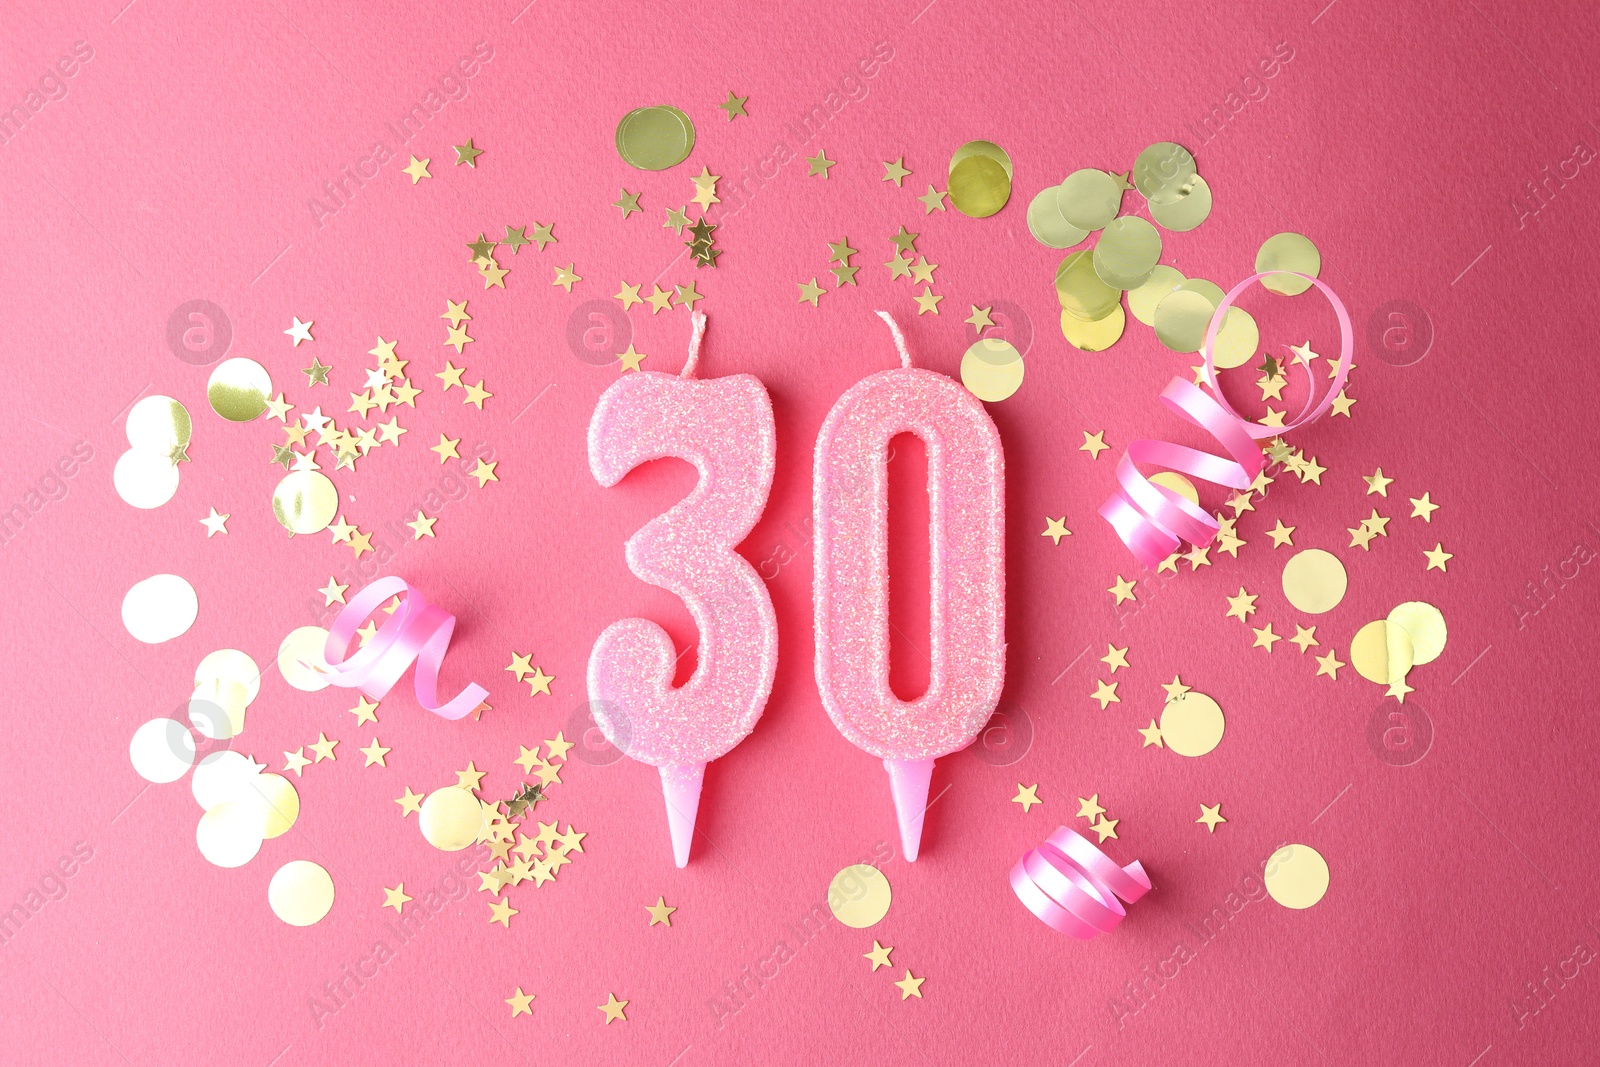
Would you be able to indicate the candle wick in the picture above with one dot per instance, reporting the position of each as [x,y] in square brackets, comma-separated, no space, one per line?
[697,322]
[899,338]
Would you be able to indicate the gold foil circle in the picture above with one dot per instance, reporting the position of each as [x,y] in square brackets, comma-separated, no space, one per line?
[1096,336]
[981,148]
[1288,251]
[238,389]
[1164,173]
[301,655]
[1296,876]
[1314,581]
[305,502]
[1080,290]
[1178,484]
[991,369]
[1142,302]
[145,479]
[859,896]
[1238,339]
[655,138]
[451,818]
[1089,198]
[232,665]
[158,424]
[1181,320]
[300,893]
[229,834]
[1425,625]
[280,804]
[1047,225]
[161,607]
[1128,250]
[979,186]
[1192,724]
[1188,211]
[1381,652]
[1210,290]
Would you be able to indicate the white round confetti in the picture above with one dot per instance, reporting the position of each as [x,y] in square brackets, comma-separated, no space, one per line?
[301,893]
[232,664]
[217,709]
[162,750]
[159,608]
[223,777]
[158,424]
[145,479]
[229,835]
[300,659]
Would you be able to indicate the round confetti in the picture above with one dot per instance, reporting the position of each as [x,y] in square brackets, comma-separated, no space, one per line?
[991,369]
[979,186]
[1296,876]
[232,665]
[229,834]
[1314,581]
[1178,484]
[158,424]
[981,148]
[1237,339]
[1288,251]
[280,803]
[451,818]
[1080,290]
[1089,198]
[1144,300]
[859,896]
[300,893]
[162,750]
[221,777]
[1181,320]
[159,608]
[145,479]
[1187,212]
[238,389]
[1210,290]
[1047,225]
[1164,173]
[1128,250]
[1424,624]
[1094,336]
[305,502]
[654,138]
[300,659]
[1381,652]
[1191,724]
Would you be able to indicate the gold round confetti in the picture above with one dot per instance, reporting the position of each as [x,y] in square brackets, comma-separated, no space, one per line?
[300,893]
[1089,198]
[1080,290]
[158,424]
[451,818]
[1181,320]
[1191,724]
[1142,302]
[1128,250]
[1210,290]
[145,479]
[1288,251]
[238,389]
[1096,336]
[216,709]
[1178,484]
[162,750]
[300,657]
[305,502]
[1296,876]
[1047,225]
[221,777]
[991,369]
[159,608]
[1381,652]
[1238,339]
[229,834]
[979,186]
[1425,625]
[280,803]
[859,896]
[1314,581]
[232,665]
[654,138]
[1187,212]
[981,148]
[1164,173]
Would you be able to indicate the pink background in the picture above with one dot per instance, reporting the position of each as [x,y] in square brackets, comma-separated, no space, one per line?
[178,165]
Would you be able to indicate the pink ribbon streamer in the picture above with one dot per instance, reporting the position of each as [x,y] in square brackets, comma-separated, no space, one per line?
[417,632]
[1152,519]
[1072,887]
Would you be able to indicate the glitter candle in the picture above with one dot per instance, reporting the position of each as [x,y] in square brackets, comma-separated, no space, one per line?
[724,427]
[966,567]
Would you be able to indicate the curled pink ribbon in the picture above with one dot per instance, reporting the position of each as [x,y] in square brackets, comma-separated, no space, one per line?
[1151,519]
[417,632]
[1072,887]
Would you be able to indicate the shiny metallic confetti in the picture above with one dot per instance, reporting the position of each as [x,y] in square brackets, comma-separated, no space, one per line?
[654,138]
[980,178]
[238,389]
[1288,251]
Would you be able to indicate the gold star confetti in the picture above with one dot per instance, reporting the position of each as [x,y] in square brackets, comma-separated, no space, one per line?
[422,526]
[613,1009]
[922,270]
[1378,524]
[481,249]
[1152,735]
[734,105]
[484,472]
[687,295]
[418,169]
[879,955]
[810,292]
[1115,657]
[1281,535]
[1398,689]
[628,202]
[323,748]
[565,277]
[1377,483]
[843,275]
[520,664]
[1241,606]
[1094,443]
[910,986]
[1106,828]
[1272,387]
[515,239]
[903,240]
[629,295]
[899,267]
[296,761]
[278,409]
[1311,471]
[316,374]
[1342,404]
[896,172]
[493,275]
[558,746]
[928,301]
[1305,637]
[980,317]
[215,523]
[1422,507]
[367,632]
[410,804]
[1265,638]
[819,164]
[1123,590]
[1105,694]
[1090,809]
[1175,688]
[1437,557]
[539,682]
[446,448]
[501,912]
[468,154]
[476,395]
[660,912]
[1211,815]
[299,331]
[396,898]
[471,778]
[631,359]
[365,710]
[1056,529]
[1329,665]
[332,593]
[1027,796]
[519,1002]
[1361,537]
[543,235]
[932,200]
[457,338]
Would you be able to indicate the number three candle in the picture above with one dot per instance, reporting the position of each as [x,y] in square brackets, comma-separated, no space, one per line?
[724,427]
[966,566]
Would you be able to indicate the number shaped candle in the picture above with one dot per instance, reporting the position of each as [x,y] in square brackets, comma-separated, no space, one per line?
[724,427]
[966,567]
